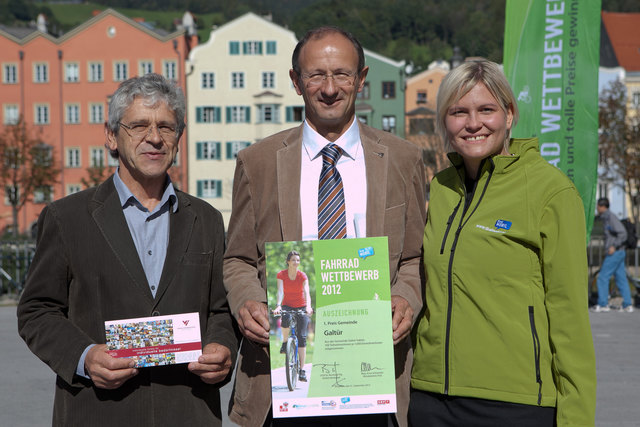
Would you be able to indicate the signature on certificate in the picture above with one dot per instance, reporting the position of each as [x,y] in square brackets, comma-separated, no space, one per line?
[366,367]
[370,371]
[330,371]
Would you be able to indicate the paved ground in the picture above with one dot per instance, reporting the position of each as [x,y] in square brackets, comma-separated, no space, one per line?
[617,342]
[278,377]
[27,384]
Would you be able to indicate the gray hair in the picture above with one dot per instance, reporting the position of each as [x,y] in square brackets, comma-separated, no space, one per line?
[462,79]
[153,88]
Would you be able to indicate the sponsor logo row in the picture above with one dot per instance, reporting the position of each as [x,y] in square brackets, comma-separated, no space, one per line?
[327,404]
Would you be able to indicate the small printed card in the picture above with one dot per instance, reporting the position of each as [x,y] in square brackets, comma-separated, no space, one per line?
[155,341]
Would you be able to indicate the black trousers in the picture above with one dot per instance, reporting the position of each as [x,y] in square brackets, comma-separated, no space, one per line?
[438,410]
[302,324]
[373,420]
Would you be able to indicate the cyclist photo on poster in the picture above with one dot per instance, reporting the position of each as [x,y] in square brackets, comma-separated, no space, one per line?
[291,292]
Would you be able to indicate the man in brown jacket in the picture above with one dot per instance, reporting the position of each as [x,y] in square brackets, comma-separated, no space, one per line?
[131,247]
[275,199]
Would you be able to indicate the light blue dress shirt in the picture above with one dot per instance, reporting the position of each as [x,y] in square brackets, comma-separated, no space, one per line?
[149,230]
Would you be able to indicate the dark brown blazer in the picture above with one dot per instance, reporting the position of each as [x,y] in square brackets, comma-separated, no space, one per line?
[86,270]
[266,208]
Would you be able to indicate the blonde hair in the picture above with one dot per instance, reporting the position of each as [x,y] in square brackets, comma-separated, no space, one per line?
[462,79]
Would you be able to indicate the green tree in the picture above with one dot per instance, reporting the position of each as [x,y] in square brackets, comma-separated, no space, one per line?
[97,175]
[419,31]
[26,168]
[21,10]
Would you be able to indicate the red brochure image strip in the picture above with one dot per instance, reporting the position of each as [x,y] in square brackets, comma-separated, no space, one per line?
[131,352]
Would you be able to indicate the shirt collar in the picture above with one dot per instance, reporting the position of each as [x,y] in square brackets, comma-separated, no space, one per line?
[125,195]
[349,141]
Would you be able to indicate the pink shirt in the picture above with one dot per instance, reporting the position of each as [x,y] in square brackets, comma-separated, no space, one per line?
[354,180]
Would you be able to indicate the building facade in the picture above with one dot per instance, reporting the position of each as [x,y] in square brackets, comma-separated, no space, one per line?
[420,104]
[620,59]
[381,102]
[61,87]
[239,92]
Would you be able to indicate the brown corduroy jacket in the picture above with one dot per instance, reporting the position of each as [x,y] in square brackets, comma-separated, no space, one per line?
[266,208]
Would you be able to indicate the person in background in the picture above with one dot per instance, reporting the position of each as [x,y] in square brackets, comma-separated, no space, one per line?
[505,338]
[134,246]
[293,294]
[278,195]
[615,237]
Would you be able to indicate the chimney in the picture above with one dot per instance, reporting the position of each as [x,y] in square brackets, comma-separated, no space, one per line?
[189,23]
[42,23]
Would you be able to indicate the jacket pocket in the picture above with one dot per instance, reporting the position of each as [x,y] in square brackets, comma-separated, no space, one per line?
[197,258]
[536,351]
[394,228]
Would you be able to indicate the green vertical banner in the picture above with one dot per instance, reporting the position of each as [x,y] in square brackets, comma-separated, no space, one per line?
[551,58]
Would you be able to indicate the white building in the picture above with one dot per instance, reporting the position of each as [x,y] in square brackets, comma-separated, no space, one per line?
[239,92]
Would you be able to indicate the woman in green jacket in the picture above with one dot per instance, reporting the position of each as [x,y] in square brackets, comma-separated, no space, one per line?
[505,338]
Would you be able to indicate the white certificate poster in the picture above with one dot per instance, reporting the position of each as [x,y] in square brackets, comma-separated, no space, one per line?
[348,347]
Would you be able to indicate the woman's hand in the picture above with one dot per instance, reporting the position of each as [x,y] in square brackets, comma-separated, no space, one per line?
[277,310]
[309,310]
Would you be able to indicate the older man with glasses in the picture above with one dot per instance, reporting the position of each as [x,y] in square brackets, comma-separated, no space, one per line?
[131,247]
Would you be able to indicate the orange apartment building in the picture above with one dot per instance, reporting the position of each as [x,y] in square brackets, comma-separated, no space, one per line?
[62,85]
[420,112]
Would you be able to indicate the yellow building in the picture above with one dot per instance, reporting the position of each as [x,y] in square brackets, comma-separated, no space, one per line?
[239,92]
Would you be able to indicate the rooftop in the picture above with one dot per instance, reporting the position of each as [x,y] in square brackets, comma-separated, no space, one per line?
[623,31]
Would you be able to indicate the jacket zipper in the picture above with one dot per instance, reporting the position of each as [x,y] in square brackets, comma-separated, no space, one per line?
[462,223]
[449,222]
[536,352]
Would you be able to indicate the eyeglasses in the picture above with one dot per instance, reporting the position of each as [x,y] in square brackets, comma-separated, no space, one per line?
[139,130]
[341,79]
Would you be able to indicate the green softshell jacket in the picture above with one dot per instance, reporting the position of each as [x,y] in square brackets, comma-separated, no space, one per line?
[506,313]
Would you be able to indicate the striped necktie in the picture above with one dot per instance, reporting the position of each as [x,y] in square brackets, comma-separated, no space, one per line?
[332,223]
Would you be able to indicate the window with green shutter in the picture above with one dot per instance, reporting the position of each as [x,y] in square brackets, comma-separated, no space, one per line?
[238,114]
[294,113]
[234,48]
[233,147]
[268,113]
[209,188]
[208,114]
[207,150]
[252,47]
[271,47]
